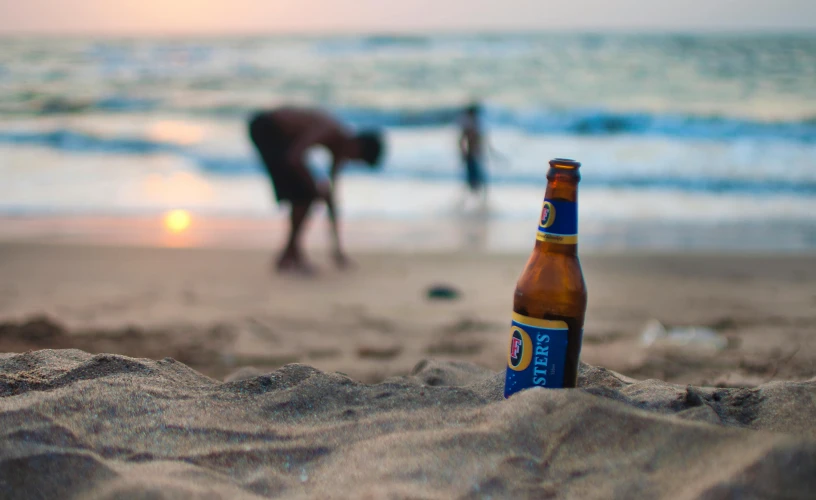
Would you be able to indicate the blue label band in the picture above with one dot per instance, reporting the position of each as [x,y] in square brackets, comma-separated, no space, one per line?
[536,355]
[558,222]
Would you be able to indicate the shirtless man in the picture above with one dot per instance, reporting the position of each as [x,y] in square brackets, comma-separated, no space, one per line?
[282,137]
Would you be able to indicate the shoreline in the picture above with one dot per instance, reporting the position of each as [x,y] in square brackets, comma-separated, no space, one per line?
[450,233]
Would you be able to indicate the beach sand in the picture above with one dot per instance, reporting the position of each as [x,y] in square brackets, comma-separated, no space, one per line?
[356,385]
[111,427]
[220,310]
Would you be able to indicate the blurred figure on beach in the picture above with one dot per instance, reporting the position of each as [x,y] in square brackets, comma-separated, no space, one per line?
[283,137]
[472,146]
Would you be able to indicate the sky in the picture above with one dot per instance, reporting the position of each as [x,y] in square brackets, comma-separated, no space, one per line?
[125,17]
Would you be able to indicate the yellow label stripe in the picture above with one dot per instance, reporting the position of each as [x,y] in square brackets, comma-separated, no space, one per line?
[557,238]
[540,323]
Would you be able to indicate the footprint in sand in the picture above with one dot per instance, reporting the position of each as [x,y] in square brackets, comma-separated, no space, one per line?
[379,352]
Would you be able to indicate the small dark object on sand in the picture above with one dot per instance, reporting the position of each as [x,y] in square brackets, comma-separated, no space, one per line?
[443,292]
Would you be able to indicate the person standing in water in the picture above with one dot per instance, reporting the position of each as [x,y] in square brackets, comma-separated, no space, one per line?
[282,137]
[472,144]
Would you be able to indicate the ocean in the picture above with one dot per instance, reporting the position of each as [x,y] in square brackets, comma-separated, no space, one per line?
[688,142]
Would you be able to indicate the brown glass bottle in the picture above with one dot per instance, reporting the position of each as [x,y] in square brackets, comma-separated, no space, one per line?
[550,298]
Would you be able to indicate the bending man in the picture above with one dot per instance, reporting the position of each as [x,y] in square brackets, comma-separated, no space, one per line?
[283,136]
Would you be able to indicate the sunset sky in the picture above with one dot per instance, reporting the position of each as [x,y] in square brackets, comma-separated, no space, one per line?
[279,16]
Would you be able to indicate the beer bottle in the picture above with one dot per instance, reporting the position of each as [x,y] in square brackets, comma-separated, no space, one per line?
[550,299]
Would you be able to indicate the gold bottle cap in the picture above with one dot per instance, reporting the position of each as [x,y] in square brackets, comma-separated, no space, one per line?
[564,163]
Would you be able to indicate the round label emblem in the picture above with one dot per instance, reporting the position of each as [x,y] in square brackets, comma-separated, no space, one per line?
[521,350]
[547,214]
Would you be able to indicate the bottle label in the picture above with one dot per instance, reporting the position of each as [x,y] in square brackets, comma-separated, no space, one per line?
[538,352]
[558,222]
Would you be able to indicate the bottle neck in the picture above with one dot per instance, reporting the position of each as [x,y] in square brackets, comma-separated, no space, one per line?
[558,224]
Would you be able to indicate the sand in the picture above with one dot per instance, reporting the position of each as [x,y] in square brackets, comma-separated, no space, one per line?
[356,385]
[107,426]
[220,310]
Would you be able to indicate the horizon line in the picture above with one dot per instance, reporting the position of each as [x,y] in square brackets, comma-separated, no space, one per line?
[473,31]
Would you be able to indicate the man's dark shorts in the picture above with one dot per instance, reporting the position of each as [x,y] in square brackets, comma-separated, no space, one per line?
[273,147]
[475,173]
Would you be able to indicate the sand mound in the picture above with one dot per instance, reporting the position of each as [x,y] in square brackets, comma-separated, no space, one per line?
[107,426]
